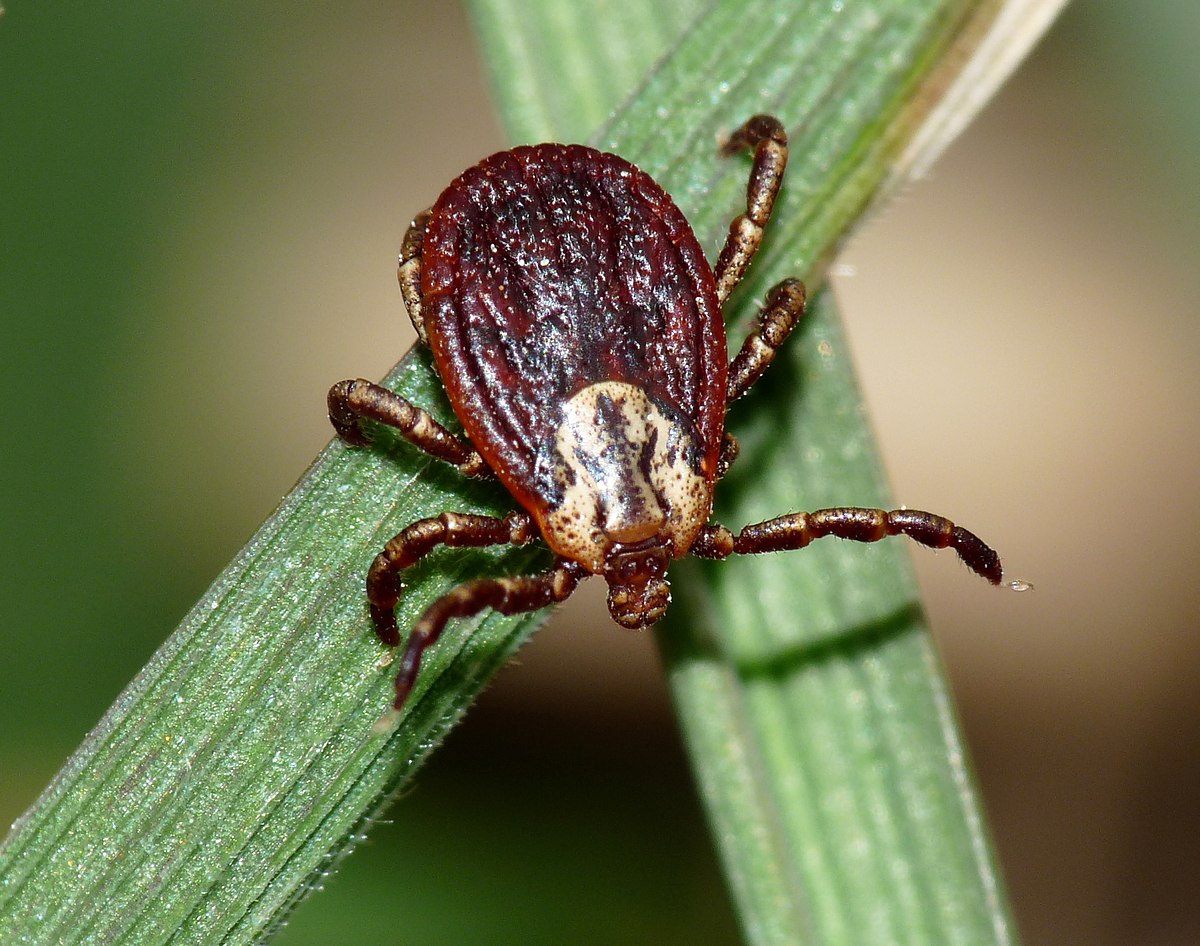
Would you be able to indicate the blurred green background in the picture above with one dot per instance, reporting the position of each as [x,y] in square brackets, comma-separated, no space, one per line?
[201,206]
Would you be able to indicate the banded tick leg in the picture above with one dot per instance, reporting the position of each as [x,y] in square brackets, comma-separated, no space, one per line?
[409,272]
[765,135]
[797,530]
[351,402]
[779,315]
[415,541]
[506,595]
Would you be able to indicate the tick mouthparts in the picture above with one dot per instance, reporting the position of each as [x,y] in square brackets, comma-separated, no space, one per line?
[638,606]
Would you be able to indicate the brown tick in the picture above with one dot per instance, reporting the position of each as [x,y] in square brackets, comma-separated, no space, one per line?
[577,328]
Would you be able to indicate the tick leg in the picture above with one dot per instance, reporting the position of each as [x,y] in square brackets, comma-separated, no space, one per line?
[857,524]
[783,309]
[415,541]
[351,402]
[730,449]
[506,595]
[409,272]
[765,135]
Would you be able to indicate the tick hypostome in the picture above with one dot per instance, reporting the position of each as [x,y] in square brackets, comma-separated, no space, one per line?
[577,328]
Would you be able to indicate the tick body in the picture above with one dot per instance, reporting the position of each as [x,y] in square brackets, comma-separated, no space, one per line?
[577,328]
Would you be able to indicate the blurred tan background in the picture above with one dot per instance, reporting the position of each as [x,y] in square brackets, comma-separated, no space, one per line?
[202,206]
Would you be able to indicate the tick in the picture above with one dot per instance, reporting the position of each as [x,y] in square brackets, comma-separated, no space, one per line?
[577,329]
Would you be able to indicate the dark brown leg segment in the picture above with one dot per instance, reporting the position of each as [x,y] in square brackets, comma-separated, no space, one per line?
[857,524]
[780,314]
[353,401]
[765,135]
[414,542]
[506,595]
[409,272]
[730,449]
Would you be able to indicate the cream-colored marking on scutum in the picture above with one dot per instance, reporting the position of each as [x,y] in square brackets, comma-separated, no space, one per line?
[610,493]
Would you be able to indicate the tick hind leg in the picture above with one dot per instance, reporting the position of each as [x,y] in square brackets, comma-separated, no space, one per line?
[352,402]
[415,541]
[797,530]
[409,272]
[506,595]
[765,136]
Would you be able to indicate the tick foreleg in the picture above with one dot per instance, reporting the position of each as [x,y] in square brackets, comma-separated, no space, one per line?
[409,272]
[506,595]
[765,135]
[415,541]
[797,530]
[351,402]
[779,315]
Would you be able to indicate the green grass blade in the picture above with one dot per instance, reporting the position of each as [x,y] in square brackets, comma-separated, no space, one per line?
[813,704]
[560,70]
[816,715]
[245,758]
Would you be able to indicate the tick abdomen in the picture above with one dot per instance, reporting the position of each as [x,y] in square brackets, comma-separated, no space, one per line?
[548,269]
